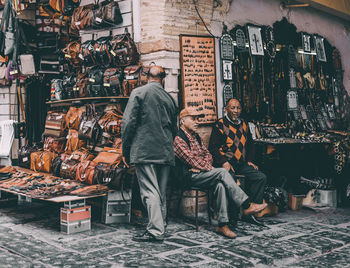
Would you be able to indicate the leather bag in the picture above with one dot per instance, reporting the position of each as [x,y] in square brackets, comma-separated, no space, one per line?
[72,52]
[102,53]
[109,156]
[81,85]
[73,117]
[132,76]
[89,127]
[82,154]
[106,13]
[56,164]
[124,50]
[56,145]
[111,122]
[95,86]
[88,53]
[24,155]
[69,169]
[81,18]
[41,161]
[73,142]
[85,172]
[112,81]
[68,83]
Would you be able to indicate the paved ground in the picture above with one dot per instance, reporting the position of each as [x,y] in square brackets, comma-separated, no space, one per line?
[30,237]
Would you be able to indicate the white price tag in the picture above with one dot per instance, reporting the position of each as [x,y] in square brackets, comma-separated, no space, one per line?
[91,80]
[67,56]
[129,77]
[113,53]
[98,19]
[81,56]
[77,23]
[25,159]
[107,85]
[13,72]
[58,117]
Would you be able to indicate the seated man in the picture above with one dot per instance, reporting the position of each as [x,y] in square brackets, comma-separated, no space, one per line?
[231,146]
[197,165]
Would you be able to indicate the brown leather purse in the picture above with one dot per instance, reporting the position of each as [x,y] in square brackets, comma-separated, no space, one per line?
[109,156]
[73,117]
[81,84]
[111,122]
[81,18]
[56,145]
[69,168]
[85,172]
[41,161]
[81,155]
[73,142]
[72,51]
[131,81]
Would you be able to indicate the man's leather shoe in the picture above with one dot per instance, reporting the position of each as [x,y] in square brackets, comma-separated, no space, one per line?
[225,231]
[254,208]
[148,237]
[252,219]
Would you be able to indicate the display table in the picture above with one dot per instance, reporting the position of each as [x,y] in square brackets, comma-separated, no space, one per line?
[75,215]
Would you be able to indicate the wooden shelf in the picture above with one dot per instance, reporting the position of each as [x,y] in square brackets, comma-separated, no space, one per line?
[84,100]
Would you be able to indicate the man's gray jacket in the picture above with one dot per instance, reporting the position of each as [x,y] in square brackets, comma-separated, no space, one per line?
[149,126]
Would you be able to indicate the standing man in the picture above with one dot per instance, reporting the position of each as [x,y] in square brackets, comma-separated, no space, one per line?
[198,170]
[148,130]
[231,146]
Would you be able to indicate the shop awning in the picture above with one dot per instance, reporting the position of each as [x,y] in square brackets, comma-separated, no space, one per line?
[339,8]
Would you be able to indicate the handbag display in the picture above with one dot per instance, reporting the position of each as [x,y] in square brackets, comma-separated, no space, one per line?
[69,169]
[73,143]
[89,127]
[131,80]
[73,117]
[112,81]
[55,124]
[124,50]
[111,122]
[85,172]
[41,161]
[56,145]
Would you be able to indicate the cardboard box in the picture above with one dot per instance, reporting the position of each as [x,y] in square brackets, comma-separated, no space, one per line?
[295,202]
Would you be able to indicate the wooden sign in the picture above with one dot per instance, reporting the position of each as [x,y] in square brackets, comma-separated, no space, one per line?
[198,75]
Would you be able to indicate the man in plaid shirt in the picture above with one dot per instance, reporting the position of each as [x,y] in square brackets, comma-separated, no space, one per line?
[198,170]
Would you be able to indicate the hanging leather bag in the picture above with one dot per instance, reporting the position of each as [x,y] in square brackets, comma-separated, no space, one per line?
[89,127]
[88,53]
[72,52]
[106,13]
[131,80]
[95,86]
[81,18]
[73,117]
[68,83]
[124,50]
[81,85]
[102,53]
[112,79]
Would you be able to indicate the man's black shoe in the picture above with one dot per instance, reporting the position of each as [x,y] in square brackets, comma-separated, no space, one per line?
[147,237]
[252,219]
[233,223]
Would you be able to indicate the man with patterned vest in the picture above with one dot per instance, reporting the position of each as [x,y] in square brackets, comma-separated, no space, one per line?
[232,148]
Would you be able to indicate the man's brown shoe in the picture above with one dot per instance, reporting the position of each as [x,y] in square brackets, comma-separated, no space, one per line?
[254,208]
[225,231]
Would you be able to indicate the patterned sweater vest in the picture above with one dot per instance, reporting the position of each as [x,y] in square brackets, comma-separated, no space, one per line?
[236,139]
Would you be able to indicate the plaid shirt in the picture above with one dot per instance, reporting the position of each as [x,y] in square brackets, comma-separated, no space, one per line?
[197,156]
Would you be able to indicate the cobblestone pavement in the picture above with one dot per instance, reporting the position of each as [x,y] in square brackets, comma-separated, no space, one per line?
[30,237]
